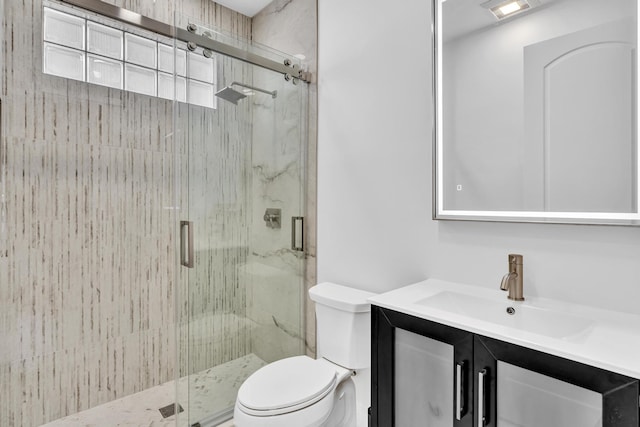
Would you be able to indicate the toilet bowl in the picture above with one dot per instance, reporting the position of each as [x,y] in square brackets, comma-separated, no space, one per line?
[304,392]
[297,391]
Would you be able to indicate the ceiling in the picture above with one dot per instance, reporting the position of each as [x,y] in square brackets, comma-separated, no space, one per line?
[461,17]
[246,7]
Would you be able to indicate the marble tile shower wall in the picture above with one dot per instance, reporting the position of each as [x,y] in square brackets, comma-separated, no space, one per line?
[87,259]
[291,26]
[275,277]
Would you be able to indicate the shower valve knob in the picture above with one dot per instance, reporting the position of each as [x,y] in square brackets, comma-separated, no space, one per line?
[273,218]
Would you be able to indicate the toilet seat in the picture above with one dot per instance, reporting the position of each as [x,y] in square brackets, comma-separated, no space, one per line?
[285,386]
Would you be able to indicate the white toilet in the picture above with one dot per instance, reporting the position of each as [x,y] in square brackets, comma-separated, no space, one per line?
[302,392]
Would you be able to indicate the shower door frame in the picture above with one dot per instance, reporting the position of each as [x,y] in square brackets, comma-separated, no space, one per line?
[287,68]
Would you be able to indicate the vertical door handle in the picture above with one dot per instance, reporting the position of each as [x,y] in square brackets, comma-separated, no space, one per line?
[483,416]
[186,243]
[461,389]
[297,233]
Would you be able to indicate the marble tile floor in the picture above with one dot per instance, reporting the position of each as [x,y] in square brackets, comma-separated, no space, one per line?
[209,391]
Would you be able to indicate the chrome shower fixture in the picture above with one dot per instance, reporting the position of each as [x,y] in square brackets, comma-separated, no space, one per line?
[232,95]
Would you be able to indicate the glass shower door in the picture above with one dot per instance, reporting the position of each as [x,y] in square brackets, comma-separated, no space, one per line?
[241,134]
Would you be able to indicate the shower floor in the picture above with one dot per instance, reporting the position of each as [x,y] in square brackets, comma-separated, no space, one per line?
[210,391]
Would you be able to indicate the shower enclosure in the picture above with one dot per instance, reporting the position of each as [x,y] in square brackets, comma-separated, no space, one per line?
[241,186]
[151,232]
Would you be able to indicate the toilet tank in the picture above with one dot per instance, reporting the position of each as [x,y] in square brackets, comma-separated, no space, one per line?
[343,318]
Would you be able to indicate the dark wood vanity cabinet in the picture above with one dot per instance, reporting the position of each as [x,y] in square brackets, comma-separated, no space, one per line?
[432,375]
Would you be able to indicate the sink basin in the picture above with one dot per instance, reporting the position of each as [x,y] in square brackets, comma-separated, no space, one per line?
[537,320]
[585,334]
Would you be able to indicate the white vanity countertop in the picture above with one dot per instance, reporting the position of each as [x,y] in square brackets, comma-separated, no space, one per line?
[609,340]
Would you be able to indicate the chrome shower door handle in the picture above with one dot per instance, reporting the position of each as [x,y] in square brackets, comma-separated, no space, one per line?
[297,233]
[186,243]
[483,418]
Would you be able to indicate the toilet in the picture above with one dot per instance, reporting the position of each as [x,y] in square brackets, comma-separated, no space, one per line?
[304,392]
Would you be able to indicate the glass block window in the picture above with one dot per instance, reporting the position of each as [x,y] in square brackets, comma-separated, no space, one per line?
[108,53]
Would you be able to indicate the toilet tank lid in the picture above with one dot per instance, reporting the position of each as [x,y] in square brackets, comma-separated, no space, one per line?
[341,297]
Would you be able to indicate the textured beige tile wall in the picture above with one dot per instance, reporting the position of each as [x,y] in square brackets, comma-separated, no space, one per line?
[87,248]
[216,171]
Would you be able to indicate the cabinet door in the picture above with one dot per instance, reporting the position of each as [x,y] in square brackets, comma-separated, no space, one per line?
[517,386]
[421,372]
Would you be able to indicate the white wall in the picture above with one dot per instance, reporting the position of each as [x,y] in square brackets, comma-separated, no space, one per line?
[374,180]
[374,140]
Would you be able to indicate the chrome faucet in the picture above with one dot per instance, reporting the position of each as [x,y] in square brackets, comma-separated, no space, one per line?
[512,281]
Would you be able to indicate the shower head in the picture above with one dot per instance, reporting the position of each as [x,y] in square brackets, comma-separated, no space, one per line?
[232,95]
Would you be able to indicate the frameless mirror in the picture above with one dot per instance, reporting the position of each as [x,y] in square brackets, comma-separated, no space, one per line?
[536,111]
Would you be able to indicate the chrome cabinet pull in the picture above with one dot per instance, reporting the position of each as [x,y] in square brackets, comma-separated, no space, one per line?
[186,243]
[483,419]
[297,233]
[461,392]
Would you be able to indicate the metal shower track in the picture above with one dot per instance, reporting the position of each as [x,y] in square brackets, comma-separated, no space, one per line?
[290,72]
